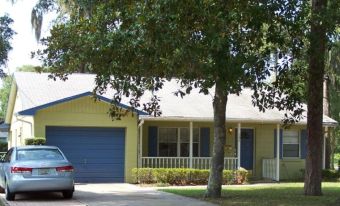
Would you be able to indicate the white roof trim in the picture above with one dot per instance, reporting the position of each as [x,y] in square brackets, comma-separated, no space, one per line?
[228,120]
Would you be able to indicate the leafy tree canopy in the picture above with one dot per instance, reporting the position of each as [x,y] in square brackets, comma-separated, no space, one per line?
[4,95]
[135,46]
[6,34]
[31,68]
[139,43]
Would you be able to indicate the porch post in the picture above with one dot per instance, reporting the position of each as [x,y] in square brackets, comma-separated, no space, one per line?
[324,148]
[277,152]
[140,150]
[190,144]
[238,145]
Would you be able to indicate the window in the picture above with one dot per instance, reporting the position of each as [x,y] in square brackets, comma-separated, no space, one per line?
[167,139]
[174,142]
[290,145]
[39,154]
[185,142]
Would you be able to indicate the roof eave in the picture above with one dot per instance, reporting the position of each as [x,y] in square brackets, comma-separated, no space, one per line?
[229,120]
[32,111]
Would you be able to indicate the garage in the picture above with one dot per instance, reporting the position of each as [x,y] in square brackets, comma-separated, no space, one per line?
[96,153]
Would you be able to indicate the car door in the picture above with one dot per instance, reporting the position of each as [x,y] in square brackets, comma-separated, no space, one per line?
[4,166]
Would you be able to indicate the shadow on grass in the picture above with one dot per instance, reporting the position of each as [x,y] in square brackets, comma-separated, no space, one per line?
[285,194]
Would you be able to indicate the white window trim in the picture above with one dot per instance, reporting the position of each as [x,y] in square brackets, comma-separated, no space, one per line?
[179,139]
[299,143]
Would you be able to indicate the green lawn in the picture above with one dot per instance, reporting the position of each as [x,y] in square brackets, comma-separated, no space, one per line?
[282,194]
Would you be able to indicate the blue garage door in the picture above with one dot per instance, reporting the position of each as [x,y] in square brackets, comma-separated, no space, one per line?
[97,154]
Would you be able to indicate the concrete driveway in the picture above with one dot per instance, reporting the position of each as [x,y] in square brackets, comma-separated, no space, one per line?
[108,195]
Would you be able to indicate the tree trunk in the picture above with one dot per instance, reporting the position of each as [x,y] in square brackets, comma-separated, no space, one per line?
[215,178]
[315,95]
[328,159]
[327,136]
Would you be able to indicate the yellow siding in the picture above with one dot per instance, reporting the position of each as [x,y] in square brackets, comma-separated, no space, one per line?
[291,169]
[85,112]
[21,126]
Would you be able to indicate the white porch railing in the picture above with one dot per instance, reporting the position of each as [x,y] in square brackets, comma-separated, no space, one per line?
[230,163]
[2,154]
[269,169]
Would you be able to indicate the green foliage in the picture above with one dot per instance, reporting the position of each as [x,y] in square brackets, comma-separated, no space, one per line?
[333,74]
[4,95]
[287,194]
[327,174]
[337,156]
[184,176]
[6,34]
[31,68]
[135,46]
[241,175]
[330,175]
[143,175]
[3,146]
[35,141]
[76,8]
[141,43]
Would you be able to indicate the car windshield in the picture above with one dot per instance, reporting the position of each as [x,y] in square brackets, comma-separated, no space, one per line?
[39,154]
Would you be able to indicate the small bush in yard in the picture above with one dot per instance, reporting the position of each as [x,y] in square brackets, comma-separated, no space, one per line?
[3,146]
[35,141]
[199,177]
[241,176]
[143,176]
[328,174]
[162,175]
[185,176]
[228,177]
[178,176]
[173,176]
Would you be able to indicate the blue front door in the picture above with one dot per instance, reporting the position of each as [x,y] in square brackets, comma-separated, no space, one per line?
[247,148]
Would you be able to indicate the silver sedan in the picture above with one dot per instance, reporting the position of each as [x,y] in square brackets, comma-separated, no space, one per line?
[36,168]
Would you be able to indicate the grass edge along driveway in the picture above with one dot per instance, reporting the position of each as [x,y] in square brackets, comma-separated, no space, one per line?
[278,194]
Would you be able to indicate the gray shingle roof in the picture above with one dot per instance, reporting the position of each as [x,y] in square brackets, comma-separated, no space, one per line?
[36,89]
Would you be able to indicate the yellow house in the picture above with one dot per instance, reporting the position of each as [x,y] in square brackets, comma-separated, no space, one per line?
[103,150]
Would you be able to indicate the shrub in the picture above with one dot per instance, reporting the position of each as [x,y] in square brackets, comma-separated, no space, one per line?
[199,177]
[143,176]
[330,174]
[162,175]
[3,146]
[184,176]
[35,141]
[241,176]
[229,177]
[327,174]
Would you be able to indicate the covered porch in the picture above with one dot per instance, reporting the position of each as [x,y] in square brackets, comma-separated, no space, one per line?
[188,144]
[179,144]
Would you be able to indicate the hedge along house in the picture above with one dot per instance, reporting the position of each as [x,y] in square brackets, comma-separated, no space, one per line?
[103,150]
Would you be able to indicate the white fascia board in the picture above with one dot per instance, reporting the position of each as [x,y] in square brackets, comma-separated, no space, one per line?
[229,120]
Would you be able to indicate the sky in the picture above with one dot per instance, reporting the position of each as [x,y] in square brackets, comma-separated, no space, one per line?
[23,42]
